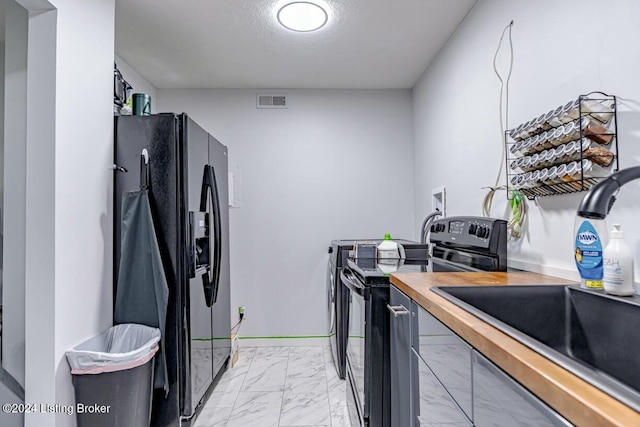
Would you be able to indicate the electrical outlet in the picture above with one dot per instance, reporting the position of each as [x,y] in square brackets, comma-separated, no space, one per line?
[439,200]
[242,312]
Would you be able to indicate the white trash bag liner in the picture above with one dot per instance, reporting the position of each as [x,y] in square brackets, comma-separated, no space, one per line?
[118,348]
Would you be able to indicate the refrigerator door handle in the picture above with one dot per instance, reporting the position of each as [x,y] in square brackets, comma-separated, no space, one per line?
[145,179]
[218,236]
[192,246]
[211,278]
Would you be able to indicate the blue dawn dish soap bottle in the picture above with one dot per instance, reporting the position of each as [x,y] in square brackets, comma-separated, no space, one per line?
[590,241]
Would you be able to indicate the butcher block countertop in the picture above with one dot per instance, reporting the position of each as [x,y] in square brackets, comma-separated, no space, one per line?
[576,400]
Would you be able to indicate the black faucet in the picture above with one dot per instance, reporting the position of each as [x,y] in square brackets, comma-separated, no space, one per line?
[597,202]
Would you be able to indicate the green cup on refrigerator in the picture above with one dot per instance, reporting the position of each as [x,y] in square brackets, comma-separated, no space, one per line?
[141,104]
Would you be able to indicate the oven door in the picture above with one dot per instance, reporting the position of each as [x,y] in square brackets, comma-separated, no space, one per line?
[331,303]
[356,344]
[331,313]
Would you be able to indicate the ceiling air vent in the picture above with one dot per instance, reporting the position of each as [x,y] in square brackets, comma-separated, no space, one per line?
[272,101]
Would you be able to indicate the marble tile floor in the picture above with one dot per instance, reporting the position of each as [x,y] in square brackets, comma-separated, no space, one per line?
[278,387]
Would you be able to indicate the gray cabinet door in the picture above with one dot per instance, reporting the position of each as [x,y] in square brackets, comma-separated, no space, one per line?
[500,401]
[434,407]
[448,357]
[400,320]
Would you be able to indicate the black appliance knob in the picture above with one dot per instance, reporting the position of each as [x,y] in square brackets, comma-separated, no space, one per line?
[472,228]
[441,227]
[487,231]
[479,231]
[433,228]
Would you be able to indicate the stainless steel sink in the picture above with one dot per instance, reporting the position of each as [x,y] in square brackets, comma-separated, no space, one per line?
[593,335]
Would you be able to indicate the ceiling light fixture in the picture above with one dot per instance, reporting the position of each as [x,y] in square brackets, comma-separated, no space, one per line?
[302,16]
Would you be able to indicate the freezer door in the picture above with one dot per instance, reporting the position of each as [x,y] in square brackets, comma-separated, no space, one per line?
[221,314]
[200,337]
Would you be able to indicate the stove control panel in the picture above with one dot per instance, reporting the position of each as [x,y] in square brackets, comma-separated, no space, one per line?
[479,233]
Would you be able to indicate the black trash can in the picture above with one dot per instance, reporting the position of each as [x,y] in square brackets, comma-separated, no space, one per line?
[112,376]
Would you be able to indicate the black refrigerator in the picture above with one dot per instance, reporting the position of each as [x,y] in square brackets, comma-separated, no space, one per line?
[185,169]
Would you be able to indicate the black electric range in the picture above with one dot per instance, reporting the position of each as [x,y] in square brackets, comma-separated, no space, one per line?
[337,297]
[368,358]
[469,244]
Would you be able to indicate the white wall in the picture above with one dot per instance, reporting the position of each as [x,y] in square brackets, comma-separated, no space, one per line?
[562,49]
[1,150]
[64,211]
[40,256]
[14,198]
[1,145]
[334,165]
[83,180]
[16,364]
[137,82]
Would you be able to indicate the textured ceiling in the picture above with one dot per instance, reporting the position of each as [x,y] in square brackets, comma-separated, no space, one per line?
[367,44]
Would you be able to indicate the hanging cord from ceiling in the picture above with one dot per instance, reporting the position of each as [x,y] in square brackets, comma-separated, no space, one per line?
[517,200]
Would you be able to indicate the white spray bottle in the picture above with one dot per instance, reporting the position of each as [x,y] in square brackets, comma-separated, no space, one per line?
[618,265]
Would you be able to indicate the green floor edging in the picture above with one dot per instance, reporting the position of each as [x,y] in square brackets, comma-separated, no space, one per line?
[284,336]
[260,338]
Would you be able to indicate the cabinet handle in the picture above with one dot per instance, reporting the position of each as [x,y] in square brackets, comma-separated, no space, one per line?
[397,310]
